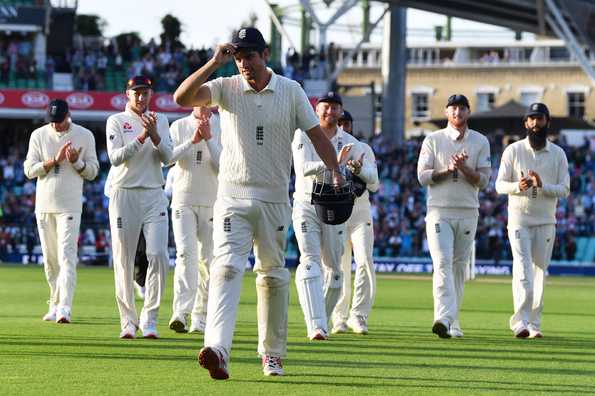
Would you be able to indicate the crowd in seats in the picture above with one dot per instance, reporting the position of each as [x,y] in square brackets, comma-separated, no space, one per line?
[398,208]
[311,64]
[17,62]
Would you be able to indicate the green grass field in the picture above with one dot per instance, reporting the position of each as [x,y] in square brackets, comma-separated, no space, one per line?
[399,356]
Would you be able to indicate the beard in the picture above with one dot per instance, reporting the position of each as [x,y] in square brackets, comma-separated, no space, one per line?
[537,136]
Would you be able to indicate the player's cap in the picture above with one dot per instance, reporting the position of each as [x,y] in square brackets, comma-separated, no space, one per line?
[139,82]
[330,97]
[458,99]
[249,37]
[537,109]
[57,110]
[346,116]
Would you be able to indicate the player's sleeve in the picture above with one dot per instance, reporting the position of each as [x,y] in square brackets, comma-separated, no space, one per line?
[214,143]
[33,165]
[117,151]
[89,165]
[425,163]
[506,182]
[216,88]
[304,156]
[369,170]
[165,148]
[180,146]
[306,118]
[484,164]
[561,188]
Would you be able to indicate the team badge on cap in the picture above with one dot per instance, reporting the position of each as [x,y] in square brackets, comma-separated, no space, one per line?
[242,34]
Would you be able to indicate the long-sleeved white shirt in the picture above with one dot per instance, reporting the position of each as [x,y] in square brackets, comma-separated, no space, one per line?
[454,197]
[196,164]
[136,165]
[534,206]
[257,130]
[61,189]
[307,163]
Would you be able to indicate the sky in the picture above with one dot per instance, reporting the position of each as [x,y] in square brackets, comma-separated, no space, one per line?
[208,22]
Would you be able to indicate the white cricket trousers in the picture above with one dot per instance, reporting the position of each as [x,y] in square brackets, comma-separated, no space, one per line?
[360,239]
[58,233]
[531,255]
[239,225]
[451,243]
[193,234]
[321,247]
[130,210]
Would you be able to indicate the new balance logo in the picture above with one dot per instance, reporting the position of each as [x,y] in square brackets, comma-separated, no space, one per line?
[57,169]
[437,228]
[304,227]
[517,234]
[178,213]
[119,222]
[455,175]
[198,157]
[259,135]
[280,228]
[227,224]
[300,146]
[534,192]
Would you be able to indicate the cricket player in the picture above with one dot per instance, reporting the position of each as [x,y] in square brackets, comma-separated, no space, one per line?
[197,148]
[359,238]
[138,142]
[454,163]
[534,174]
[61,155]
[259,112]
[318,277]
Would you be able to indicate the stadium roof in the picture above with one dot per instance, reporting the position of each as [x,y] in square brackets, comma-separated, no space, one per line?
[521,15]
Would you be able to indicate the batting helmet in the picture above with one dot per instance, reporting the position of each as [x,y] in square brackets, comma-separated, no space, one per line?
[333,203]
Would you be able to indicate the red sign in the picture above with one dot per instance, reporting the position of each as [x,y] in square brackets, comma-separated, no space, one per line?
[97,101]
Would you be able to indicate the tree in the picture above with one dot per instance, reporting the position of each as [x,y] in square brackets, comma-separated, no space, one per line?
[172,28]
[89,25]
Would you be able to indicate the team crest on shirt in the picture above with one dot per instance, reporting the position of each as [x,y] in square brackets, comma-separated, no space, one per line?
[127,127]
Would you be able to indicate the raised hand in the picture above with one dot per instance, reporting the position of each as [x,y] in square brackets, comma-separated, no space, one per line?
[224,53]
[535,178]
[73,154]
[355,166]
[344,154]
[61,156]
[149,122]
[204,127]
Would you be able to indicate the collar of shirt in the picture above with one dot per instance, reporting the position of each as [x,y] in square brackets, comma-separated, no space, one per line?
[453,133]
[62,133]
[528,145]
[337,134]
[270,86]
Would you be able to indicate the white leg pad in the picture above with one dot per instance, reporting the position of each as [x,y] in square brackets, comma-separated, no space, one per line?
[309,287]
[333,284]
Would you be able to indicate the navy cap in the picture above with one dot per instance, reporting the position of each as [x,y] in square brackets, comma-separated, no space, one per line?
[330,97]
[139,82]
[346,116]
[57,110]
[458,99]
[537,109]
[249,37]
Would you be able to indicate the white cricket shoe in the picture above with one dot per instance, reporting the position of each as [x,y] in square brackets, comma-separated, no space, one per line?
[213,360]
[456,332]
[128,332]
[140,291]
[179,323]
[199,322]
[150,331]
[340,327]
[534,333]
[272,365]
[62,315]
[358,324]
[319,335]
[50,316]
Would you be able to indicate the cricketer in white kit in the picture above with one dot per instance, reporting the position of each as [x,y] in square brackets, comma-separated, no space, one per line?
[534,174]
[61,155]
[359,238]
[259,112]
[197,148]
[319,277]
[454,163]
[138,142]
